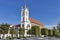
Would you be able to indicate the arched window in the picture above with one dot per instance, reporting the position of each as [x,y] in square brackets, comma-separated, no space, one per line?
[28,25]
[23,25]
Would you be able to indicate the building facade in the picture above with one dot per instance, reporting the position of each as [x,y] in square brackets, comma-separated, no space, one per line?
[26,21]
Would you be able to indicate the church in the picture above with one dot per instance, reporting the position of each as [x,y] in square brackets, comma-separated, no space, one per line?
[26,21]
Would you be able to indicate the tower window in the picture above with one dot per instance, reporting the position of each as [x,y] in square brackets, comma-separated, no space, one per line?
[23,13]
[28,25]
[23,25]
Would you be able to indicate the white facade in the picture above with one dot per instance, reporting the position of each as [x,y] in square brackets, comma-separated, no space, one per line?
[25,23]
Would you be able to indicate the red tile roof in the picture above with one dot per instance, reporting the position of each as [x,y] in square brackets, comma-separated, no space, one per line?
[18,25]
[35,21]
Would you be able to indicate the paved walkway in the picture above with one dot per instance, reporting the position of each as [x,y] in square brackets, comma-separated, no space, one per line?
[38,38]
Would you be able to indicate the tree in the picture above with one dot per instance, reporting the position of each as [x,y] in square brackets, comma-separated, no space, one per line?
[58,27]
[21,31]
[4,29]
[44,31]
[54,31]
[35,30]
[50,32]
[29,31]
[1,31]
[13,31]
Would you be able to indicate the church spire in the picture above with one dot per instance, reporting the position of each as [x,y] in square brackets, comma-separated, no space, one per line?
[24,3]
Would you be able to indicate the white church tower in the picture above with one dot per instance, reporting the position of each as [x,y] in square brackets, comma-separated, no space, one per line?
[25,23]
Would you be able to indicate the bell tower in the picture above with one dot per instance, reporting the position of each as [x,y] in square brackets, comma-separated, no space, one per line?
[25,23]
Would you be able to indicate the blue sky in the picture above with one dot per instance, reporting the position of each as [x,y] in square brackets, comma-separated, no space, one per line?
[45,11]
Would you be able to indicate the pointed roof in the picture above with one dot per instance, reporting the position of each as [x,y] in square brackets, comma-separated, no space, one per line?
[24,3]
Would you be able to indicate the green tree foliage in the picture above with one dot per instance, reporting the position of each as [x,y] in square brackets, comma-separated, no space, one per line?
[13,31]
[4,28]
[58,27]
[44,31]
[29,31]
[35,30]
[50,32]
[54,31]
[1,31]
[21,31]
